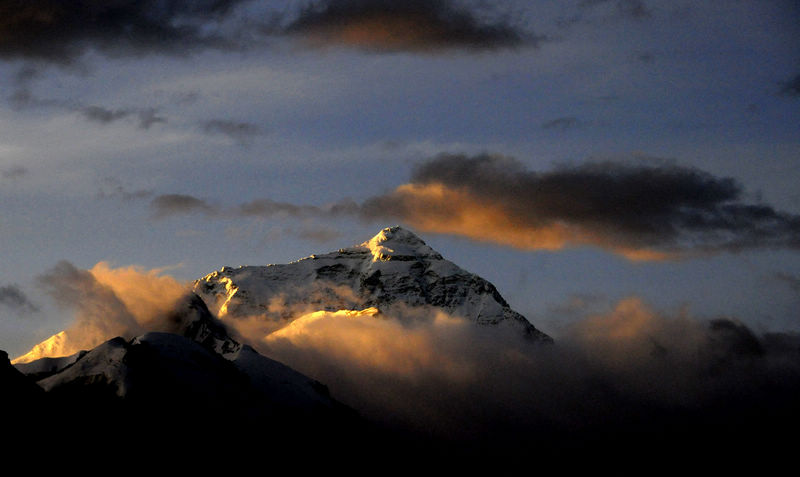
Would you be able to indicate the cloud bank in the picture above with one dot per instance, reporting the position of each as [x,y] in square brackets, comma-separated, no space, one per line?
[630,368]
[639,211]
[61,32]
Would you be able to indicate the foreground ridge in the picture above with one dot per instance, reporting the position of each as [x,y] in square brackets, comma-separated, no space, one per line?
[192,360]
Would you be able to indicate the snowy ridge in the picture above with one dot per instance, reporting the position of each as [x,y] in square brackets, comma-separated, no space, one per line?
[393,270]
[48,347]
[102,365]
[47,366]
[191,358]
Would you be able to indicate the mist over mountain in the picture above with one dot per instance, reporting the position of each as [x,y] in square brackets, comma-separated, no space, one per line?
[387,348]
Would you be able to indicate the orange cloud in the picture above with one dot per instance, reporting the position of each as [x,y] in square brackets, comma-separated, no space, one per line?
[382,32]
[438,208]
[376,344]
[642,211]
[147,294]
[107,302]
[411,25]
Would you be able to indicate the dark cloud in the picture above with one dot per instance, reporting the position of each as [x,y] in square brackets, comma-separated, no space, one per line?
[413,25]
[270,208]
[12,297]
[111,187]
[240,131]
[26,75]
[177,204]
[22,81]
[791,87]
[13,172]
[23,98]
[59,31]
[149,116]
[563,124]
[102,115]
[640,211]
[98,114]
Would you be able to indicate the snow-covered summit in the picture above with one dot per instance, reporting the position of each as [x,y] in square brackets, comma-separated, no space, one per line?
[397,243]
[393,272]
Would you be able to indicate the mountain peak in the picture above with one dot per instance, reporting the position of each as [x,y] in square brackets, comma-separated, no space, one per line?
[397,243]
[392,273]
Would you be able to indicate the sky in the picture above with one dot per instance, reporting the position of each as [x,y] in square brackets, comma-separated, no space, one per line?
[577,154]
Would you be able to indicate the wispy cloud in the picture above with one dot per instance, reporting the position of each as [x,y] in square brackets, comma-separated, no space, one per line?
[112,187]
[23,97]
[98,114]
[13,172]
[103,115]
[166,205]
[562,124]
[270,208]
[240,131]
